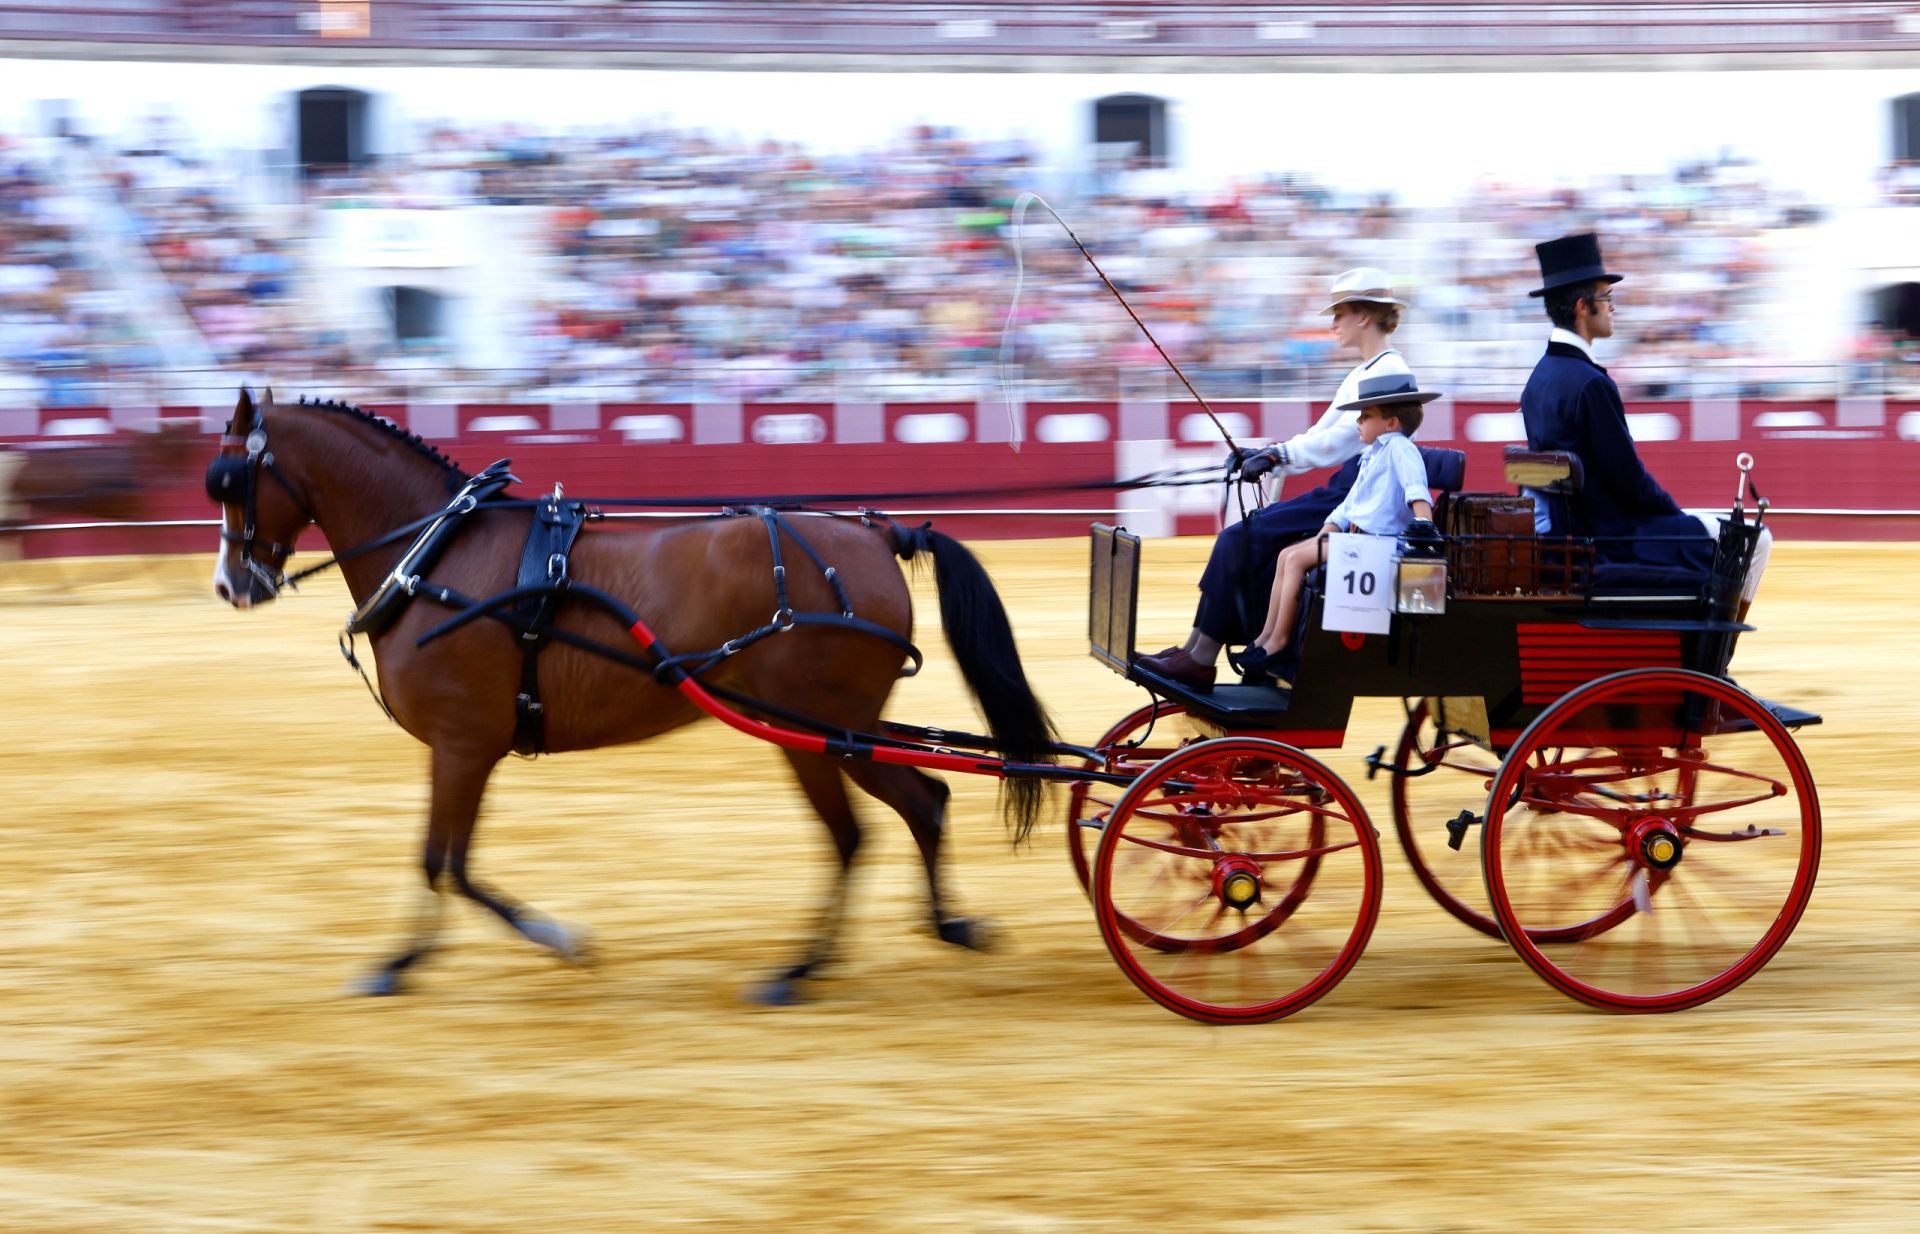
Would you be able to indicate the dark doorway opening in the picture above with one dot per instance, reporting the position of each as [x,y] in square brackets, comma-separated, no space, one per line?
[418,315]
[1896,309]
[1906,128]
[332,129]
[1139,120]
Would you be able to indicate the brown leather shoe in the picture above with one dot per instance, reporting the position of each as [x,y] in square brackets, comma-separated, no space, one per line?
[1176,665]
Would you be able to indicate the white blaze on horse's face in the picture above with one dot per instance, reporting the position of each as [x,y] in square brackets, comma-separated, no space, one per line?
[223,585]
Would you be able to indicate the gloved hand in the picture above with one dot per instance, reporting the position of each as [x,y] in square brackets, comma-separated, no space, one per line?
[1256,463]
[1423,539]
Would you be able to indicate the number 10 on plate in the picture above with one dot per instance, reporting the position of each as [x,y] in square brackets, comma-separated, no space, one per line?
[1360,584]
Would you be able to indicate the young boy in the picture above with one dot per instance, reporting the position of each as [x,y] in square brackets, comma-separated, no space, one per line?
[1389,494]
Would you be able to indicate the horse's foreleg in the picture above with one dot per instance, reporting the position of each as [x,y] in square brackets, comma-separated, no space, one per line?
[921,800]
[466,777]
[820,779]
[429,910]
[459,781]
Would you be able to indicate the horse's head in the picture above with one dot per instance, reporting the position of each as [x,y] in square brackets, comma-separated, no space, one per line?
[261,514]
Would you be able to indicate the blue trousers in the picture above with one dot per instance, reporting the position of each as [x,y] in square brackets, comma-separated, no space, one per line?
[1238,580]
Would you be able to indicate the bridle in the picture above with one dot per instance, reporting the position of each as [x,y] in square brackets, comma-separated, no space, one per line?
[230,472]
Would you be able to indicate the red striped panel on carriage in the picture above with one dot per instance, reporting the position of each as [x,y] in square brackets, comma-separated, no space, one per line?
[1555,657]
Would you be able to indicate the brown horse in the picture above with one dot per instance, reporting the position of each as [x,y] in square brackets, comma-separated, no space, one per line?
[105,479]
[697,585]
[85,479]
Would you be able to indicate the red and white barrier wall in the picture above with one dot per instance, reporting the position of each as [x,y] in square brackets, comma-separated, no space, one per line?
[1837,462]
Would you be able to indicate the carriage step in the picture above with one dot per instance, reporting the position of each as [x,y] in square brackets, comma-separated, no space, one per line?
[1791,717]
[1232,704]
[1457,828]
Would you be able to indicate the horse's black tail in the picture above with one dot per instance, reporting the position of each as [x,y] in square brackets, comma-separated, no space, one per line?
[982,640]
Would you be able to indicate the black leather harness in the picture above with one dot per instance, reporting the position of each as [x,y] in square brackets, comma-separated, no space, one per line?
[384,606]
[543,582]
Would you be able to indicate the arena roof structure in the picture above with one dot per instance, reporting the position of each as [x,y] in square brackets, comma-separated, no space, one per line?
[1224,35]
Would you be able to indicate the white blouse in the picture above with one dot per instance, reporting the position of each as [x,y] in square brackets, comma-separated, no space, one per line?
[1335,438]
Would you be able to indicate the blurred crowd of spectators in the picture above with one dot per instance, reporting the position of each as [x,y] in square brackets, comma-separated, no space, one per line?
[63,326]
[231,272]
[674,266]
[1695,246]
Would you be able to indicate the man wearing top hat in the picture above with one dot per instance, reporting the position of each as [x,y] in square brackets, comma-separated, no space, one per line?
[1571,404]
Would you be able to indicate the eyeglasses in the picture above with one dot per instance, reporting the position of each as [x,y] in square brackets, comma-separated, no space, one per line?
[1605,297]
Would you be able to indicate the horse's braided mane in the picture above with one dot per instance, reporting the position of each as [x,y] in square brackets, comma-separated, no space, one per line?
[419,444]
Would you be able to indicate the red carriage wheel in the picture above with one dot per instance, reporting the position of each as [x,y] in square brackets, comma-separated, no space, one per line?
[1160,728]
[1672,812]
[1209,854]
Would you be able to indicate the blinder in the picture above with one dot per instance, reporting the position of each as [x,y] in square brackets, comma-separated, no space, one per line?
[234,479]
[227,479]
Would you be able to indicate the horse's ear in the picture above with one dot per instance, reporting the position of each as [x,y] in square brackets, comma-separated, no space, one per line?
[266,400]
[244,407]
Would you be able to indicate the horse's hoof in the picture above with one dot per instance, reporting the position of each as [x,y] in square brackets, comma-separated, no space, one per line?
[973,933]
[380,983]
[569,945]
[779,992]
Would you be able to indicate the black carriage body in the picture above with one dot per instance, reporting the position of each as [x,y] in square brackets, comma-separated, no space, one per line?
[1490,664]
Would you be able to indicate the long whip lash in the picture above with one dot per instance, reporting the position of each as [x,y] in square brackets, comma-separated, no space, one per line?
[1019,214]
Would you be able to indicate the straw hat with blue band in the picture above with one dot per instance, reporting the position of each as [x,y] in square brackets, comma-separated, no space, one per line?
[1389,388]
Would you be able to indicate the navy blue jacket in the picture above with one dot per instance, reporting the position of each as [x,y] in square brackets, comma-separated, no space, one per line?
[1571,404]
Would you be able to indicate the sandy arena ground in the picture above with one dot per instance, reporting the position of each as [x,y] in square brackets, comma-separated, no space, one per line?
[210,829]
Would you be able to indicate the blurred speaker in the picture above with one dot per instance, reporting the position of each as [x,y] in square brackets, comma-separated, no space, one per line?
[331,128]
[1137,119]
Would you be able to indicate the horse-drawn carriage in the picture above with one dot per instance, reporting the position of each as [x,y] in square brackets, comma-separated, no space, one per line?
[1648,830]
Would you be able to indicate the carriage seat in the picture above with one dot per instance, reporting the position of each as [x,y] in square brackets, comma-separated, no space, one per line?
[1550,471]
[1446,469]
[1619,580]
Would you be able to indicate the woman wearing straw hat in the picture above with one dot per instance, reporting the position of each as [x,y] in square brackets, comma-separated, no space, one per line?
[1239,574]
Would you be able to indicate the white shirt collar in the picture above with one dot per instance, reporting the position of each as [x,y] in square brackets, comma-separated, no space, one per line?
[1572,340]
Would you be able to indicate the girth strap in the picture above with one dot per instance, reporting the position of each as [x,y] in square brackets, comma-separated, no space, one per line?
[543,565]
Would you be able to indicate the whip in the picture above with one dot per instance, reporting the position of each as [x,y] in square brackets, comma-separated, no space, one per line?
[1019,214]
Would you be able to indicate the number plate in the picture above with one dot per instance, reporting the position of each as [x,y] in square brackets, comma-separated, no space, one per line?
[1360,585]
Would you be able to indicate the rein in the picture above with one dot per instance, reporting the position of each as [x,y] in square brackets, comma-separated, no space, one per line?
[1185,477]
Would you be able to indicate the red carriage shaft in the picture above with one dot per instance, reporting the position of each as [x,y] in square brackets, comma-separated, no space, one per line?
[792,739]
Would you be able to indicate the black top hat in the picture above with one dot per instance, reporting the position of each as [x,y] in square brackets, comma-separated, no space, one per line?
[1389,388]
[1571,259]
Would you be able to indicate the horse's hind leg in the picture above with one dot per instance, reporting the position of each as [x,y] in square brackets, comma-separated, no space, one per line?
[921,800]
[820,779]
[459,780]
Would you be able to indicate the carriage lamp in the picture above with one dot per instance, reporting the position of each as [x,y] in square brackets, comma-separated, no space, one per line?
[1423,585]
